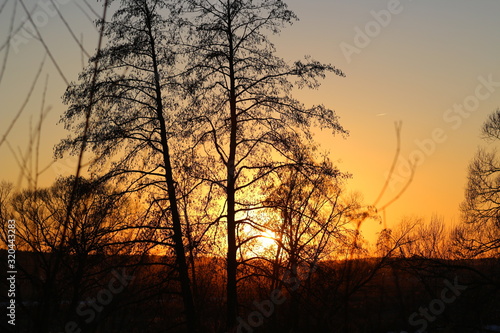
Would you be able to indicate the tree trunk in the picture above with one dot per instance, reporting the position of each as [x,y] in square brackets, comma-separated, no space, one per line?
[180,254]
[232,264]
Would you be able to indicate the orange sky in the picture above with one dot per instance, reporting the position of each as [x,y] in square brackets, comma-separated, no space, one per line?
[432,65]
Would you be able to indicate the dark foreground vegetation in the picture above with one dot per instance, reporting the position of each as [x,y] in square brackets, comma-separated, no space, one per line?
[142,294]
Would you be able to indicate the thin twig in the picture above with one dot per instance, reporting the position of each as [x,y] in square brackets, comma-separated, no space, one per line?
[69,29]
[44,44]
[72,200]
[6,134]
[7,50]
[398,125]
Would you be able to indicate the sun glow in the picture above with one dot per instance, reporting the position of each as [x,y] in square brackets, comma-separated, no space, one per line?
[258,241]
[267,241]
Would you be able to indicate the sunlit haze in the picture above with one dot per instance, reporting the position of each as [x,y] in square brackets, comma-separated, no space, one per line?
[433,66]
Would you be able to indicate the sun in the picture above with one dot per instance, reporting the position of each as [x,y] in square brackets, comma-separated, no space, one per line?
[267,239]
[265,244]
[263,241]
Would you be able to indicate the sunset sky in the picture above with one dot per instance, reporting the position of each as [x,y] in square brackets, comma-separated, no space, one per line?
[433,65]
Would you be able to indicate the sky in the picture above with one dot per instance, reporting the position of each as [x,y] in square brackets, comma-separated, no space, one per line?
[432,66]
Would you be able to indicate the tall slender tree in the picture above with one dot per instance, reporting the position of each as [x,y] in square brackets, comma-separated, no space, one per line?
[132,128]
[247,119]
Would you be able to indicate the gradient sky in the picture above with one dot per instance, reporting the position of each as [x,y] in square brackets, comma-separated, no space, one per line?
[410,61]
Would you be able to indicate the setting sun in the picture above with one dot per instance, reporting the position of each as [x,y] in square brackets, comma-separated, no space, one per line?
[270,166]
[262,241]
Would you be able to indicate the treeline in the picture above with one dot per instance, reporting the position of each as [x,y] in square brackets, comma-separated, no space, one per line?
[116,271]
[141,294]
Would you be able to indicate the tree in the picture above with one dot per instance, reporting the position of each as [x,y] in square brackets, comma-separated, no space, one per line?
[417,238]
[481,207]
[317,221]
[5,192]
[97,235]
[247,119]
[133,127]
[312,212]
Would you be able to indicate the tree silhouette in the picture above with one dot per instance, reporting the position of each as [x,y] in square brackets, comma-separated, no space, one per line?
[481,207]
[133,122]
[316,222]
[97,235]
[249,122]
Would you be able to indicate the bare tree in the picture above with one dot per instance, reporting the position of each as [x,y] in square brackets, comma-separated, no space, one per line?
[97,234]
[481,207]
[249,122]
[317,222]
[133,129]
